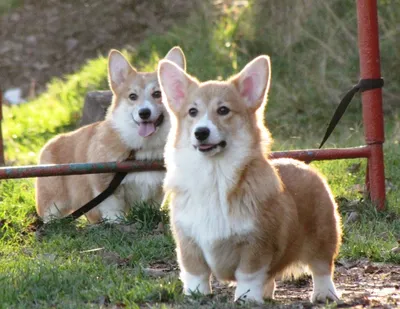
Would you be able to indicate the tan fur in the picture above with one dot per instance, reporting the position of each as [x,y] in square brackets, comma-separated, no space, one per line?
[96,142]
[295,215]
[104,141]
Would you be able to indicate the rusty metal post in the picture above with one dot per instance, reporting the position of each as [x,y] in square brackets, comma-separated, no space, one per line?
[368,44]
[2,162]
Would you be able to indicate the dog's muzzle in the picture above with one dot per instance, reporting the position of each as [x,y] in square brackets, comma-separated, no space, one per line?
[148,128]
[208,147]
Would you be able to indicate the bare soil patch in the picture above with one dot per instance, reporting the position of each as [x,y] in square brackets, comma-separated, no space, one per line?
[362,284]
[45,39]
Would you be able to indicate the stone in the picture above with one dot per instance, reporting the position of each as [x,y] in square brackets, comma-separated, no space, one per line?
[95,106]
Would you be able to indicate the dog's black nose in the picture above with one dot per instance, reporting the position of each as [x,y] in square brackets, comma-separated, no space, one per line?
[202,133]
[144,113]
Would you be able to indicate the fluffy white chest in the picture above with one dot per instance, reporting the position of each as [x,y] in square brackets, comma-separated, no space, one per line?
[143,186]
[207,221]
[200,207]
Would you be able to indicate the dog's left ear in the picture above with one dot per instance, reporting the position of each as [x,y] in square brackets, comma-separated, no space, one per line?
[177,56]
[253,82]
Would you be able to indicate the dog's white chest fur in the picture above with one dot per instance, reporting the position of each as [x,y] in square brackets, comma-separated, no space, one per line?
[144,186]
[200,208]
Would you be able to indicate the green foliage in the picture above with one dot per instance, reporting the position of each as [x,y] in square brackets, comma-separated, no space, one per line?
[7,5]
[314,59]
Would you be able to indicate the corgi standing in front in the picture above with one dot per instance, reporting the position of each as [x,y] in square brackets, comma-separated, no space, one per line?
[234,213]
[136,121]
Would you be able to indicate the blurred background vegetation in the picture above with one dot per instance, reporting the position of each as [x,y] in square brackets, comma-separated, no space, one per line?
[55,51]
[312,44]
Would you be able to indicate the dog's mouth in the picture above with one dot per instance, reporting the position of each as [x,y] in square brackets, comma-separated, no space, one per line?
[209,147]
[148,128]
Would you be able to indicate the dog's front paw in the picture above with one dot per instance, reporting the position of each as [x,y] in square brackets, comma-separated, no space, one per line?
[323,296]
[242,296]
[193,284]
[324,289]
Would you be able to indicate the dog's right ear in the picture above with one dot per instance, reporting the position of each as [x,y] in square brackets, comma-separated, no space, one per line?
[174,84]
[118,69]
[177,56]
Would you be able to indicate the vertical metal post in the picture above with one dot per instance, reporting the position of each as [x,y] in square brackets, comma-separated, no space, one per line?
[368,44]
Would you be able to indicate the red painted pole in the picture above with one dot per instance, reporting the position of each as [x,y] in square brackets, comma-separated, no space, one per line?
[368,44]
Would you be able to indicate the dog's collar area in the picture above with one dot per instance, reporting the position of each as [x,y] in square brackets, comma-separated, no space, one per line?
[209,147]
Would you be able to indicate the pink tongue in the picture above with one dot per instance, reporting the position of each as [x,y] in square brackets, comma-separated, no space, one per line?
[206,146]
[146,129]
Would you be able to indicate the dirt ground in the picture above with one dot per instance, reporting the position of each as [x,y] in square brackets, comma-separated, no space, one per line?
[45,39]
[362,284]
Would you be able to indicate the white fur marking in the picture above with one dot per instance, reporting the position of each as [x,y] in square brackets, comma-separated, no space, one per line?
[111,208]
[143,186]
[192,283]
[324,289]
[52,212]
[215,136]
[250,286]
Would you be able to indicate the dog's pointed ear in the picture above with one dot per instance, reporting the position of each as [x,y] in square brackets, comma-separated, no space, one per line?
[118,69]
[177,56]
[174,84]
[253,82]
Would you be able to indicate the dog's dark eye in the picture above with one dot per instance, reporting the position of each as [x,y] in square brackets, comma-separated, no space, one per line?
[133,96]
[223,110]
[193,112]
[156,94]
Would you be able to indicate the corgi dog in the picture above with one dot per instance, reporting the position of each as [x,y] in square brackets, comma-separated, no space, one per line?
[235,213]
[136,121]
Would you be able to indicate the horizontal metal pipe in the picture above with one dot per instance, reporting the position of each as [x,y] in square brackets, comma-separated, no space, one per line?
[79,169]
[323,154]
[140,166]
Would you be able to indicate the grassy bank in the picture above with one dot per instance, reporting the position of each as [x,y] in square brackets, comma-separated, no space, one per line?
[314,61]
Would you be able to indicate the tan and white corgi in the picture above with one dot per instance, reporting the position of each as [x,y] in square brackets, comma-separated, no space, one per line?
[234,213]
[136,120]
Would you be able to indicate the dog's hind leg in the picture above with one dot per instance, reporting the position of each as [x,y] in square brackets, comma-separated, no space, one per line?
[51,200]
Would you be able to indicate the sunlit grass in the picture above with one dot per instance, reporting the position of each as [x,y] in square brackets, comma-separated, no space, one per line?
[314,60]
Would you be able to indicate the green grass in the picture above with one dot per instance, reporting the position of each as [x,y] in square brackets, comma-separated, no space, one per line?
[314,61]
[7,5]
